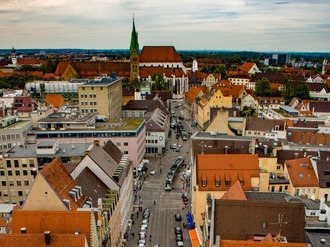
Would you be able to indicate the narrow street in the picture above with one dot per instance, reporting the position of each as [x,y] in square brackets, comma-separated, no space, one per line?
[163,205]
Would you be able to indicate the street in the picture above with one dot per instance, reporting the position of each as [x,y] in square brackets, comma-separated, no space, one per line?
[163,205]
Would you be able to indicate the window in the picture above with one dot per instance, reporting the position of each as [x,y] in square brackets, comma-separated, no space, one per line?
[286,187]
[2,172]
[17,173]
[227,183]
[18,183]
[83,88]
[278,167]
[8,163]
[327,172]
[125,152]
[204,183]
[217,183]
[10,173]
[308,191]
[11,183]
[16,164]
[3,183]
[118,144]
[314,191]
[125,143]
[25,172]
[26,182]
[20,193]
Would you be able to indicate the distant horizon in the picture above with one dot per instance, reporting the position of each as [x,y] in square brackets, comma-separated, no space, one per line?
[183,50]
[235,25]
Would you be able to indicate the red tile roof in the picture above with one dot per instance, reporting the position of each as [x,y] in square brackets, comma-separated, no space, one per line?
[33,240]
[61,182]
[301,173]
[231,168]
[61,67]
[55,99]
[163,54]
[235,192]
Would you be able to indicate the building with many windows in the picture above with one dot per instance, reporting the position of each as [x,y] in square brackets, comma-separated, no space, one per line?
[13,132]
[109,96]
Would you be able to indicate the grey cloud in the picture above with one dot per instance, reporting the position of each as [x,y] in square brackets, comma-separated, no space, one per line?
[282,3]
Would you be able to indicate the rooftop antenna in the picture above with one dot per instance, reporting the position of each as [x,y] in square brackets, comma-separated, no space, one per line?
[280,223]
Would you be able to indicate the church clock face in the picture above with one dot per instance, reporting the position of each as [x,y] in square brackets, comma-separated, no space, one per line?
[160,138]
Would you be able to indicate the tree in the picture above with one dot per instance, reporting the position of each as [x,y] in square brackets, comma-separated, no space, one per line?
[159,82]
[13,82]
[221,69]
[301,91]
[290,85]
[263,88]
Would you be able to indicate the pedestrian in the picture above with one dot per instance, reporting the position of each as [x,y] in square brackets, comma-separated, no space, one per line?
[137,214]
[155,202]
[160,170]
[132,234]
[133,222]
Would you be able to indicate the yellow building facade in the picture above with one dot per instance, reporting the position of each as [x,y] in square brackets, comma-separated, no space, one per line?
[213,99]
[102,96]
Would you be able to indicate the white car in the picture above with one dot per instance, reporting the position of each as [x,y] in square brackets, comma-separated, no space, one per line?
[153,172]
[173,146]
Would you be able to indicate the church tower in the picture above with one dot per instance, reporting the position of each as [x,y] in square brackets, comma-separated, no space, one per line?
[134,54]
[13,56]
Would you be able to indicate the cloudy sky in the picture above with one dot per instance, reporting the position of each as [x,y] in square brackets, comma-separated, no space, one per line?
[256,25]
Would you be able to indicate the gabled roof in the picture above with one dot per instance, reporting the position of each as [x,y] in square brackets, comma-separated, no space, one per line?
[230,169]
[245,67]
[263,124]
[235,192]
[301,173]
[55,99]
[156,120]
[60,181]
[92,186]
[166,54]
[61,67]
[148,105]
[193,93]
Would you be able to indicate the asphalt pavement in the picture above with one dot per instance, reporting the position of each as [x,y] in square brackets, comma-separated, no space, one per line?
[163,205]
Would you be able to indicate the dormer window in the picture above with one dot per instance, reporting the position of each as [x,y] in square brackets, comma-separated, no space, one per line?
[204,181]
[241,179]
[217,180]
[227,177]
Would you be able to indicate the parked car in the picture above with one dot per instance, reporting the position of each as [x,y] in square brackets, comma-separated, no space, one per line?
[178,230]
[177,217]
[178,237]
[179,244]
[177,149]
[181,118]
[153,172]
[173,146]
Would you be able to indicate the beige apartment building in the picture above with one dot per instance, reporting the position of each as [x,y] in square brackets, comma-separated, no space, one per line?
[102,96]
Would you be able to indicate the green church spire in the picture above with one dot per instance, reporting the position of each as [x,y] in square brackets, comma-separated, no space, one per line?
[134,40]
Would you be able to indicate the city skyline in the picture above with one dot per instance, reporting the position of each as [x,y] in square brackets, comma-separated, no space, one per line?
[259,25]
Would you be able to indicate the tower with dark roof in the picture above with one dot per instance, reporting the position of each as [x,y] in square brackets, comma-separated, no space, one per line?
[13,56]
[134,54]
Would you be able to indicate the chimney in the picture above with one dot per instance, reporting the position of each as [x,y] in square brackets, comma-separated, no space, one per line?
[23,230]
[87,153]
[96,142]
[47,237]
[34,172]
[226,149]
[265,149]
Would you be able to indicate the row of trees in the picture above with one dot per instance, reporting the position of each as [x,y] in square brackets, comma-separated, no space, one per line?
[293,87]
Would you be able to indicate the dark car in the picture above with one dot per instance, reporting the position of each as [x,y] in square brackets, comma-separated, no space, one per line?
[181,118]
[178,237]
[178,230]
[178,217]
